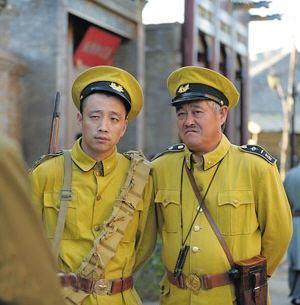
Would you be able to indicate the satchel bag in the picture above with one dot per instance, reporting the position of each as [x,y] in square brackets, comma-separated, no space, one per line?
[250,281]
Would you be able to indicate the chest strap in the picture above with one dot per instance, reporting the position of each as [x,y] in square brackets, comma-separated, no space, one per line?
[65,198]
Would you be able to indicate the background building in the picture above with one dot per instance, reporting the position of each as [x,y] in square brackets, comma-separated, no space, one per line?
[53,41]
[214,35]
[265,109]
[56,40]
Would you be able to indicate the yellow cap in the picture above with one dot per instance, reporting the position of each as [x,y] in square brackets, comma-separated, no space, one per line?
[194,83]
[109,79]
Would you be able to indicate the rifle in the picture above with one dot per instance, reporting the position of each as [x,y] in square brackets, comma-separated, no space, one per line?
[54,131]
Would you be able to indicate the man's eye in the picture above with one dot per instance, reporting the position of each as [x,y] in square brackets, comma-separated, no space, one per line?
[181,115]
[114,119]
[197,113]
[94,117]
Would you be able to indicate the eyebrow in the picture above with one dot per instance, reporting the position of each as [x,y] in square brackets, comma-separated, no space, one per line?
[193,106]
[110,112]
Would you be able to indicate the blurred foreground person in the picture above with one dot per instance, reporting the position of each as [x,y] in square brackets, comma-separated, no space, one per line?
[27,268]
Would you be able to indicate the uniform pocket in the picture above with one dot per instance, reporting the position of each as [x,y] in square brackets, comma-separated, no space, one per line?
[236,212]
[169,203]
[50,215]
[131,229]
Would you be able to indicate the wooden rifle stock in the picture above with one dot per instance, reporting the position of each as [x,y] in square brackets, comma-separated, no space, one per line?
[54,131]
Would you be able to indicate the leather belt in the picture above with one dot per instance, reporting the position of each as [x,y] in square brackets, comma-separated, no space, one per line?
[101,286]
[296,213]
[195,282]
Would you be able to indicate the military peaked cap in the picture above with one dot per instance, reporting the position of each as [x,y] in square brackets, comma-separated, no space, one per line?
[193,83]
[109,79]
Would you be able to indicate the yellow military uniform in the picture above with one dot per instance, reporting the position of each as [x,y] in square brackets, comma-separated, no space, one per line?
[95,187]
[26,263]
[247,202]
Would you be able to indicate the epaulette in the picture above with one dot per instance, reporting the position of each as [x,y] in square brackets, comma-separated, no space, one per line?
[174,148]
[44,158]
[259,151]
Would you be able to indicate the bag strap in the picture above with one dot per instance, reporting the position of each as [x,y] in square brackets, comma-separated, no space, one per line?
[208,215]
[65,198]
[106,244]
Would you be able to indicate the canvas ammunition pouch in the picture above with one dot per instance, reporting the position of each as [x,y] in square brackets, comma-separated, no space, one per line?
[249,276]
[106,244]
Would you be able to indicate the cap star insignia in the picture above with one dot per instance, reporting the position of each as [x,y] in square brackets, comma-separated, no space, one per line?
[117,87]
[183,88]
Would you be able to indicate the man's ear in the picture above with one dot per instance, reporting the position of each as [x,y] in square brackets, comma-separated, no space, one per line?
[124,127]
[79,118]
[223,114]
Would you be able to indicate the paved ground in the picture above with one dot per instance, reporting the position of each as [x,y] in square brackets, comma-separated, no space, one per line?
[278,287]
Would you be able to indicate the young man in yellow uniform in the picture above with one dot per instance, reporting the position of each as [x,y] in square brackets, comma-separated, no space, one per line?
[27,268]
[240,186]
[98,234]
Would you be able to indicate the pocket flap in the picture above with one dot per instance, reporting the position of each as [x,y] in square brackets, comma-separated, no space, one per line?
[167,196]
[235,198]
[52,200]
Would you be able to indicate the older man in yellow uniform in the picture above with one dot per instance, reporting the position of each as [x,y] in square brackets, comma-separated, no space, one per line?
[95,213]
[240,188]
[27,268]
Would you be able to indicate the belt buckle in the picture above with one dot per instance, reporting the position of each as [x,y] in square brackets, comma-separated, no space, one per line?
[102,287]
[193,282]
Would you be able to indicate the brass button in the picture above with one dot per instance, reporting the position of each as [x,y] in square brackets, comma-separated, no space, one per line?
[195,249]
[196,228]
[98,197]
[96,228]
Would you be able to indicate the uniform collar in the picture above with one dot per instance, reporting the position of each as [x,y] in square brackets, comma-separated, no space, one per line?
[210,159]
[86,163]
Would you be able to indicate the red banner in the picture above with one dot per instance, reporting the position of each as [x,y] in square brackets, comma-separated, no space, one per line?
[97,47]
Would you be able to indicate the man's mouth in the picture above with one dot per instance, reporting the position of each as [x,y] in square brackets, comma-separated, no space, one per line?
[190,131]
[101,138]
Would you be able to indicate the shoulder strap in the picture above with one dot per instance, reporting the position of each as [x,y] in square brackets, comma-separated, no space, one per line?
[65,198]
[44,158]
[259,151]
[106,244]
[173,149]
[208,216]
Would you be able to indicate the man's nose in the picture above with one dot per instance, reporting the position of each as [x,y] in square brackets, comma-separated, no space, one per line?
[103,124]
[190,120]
